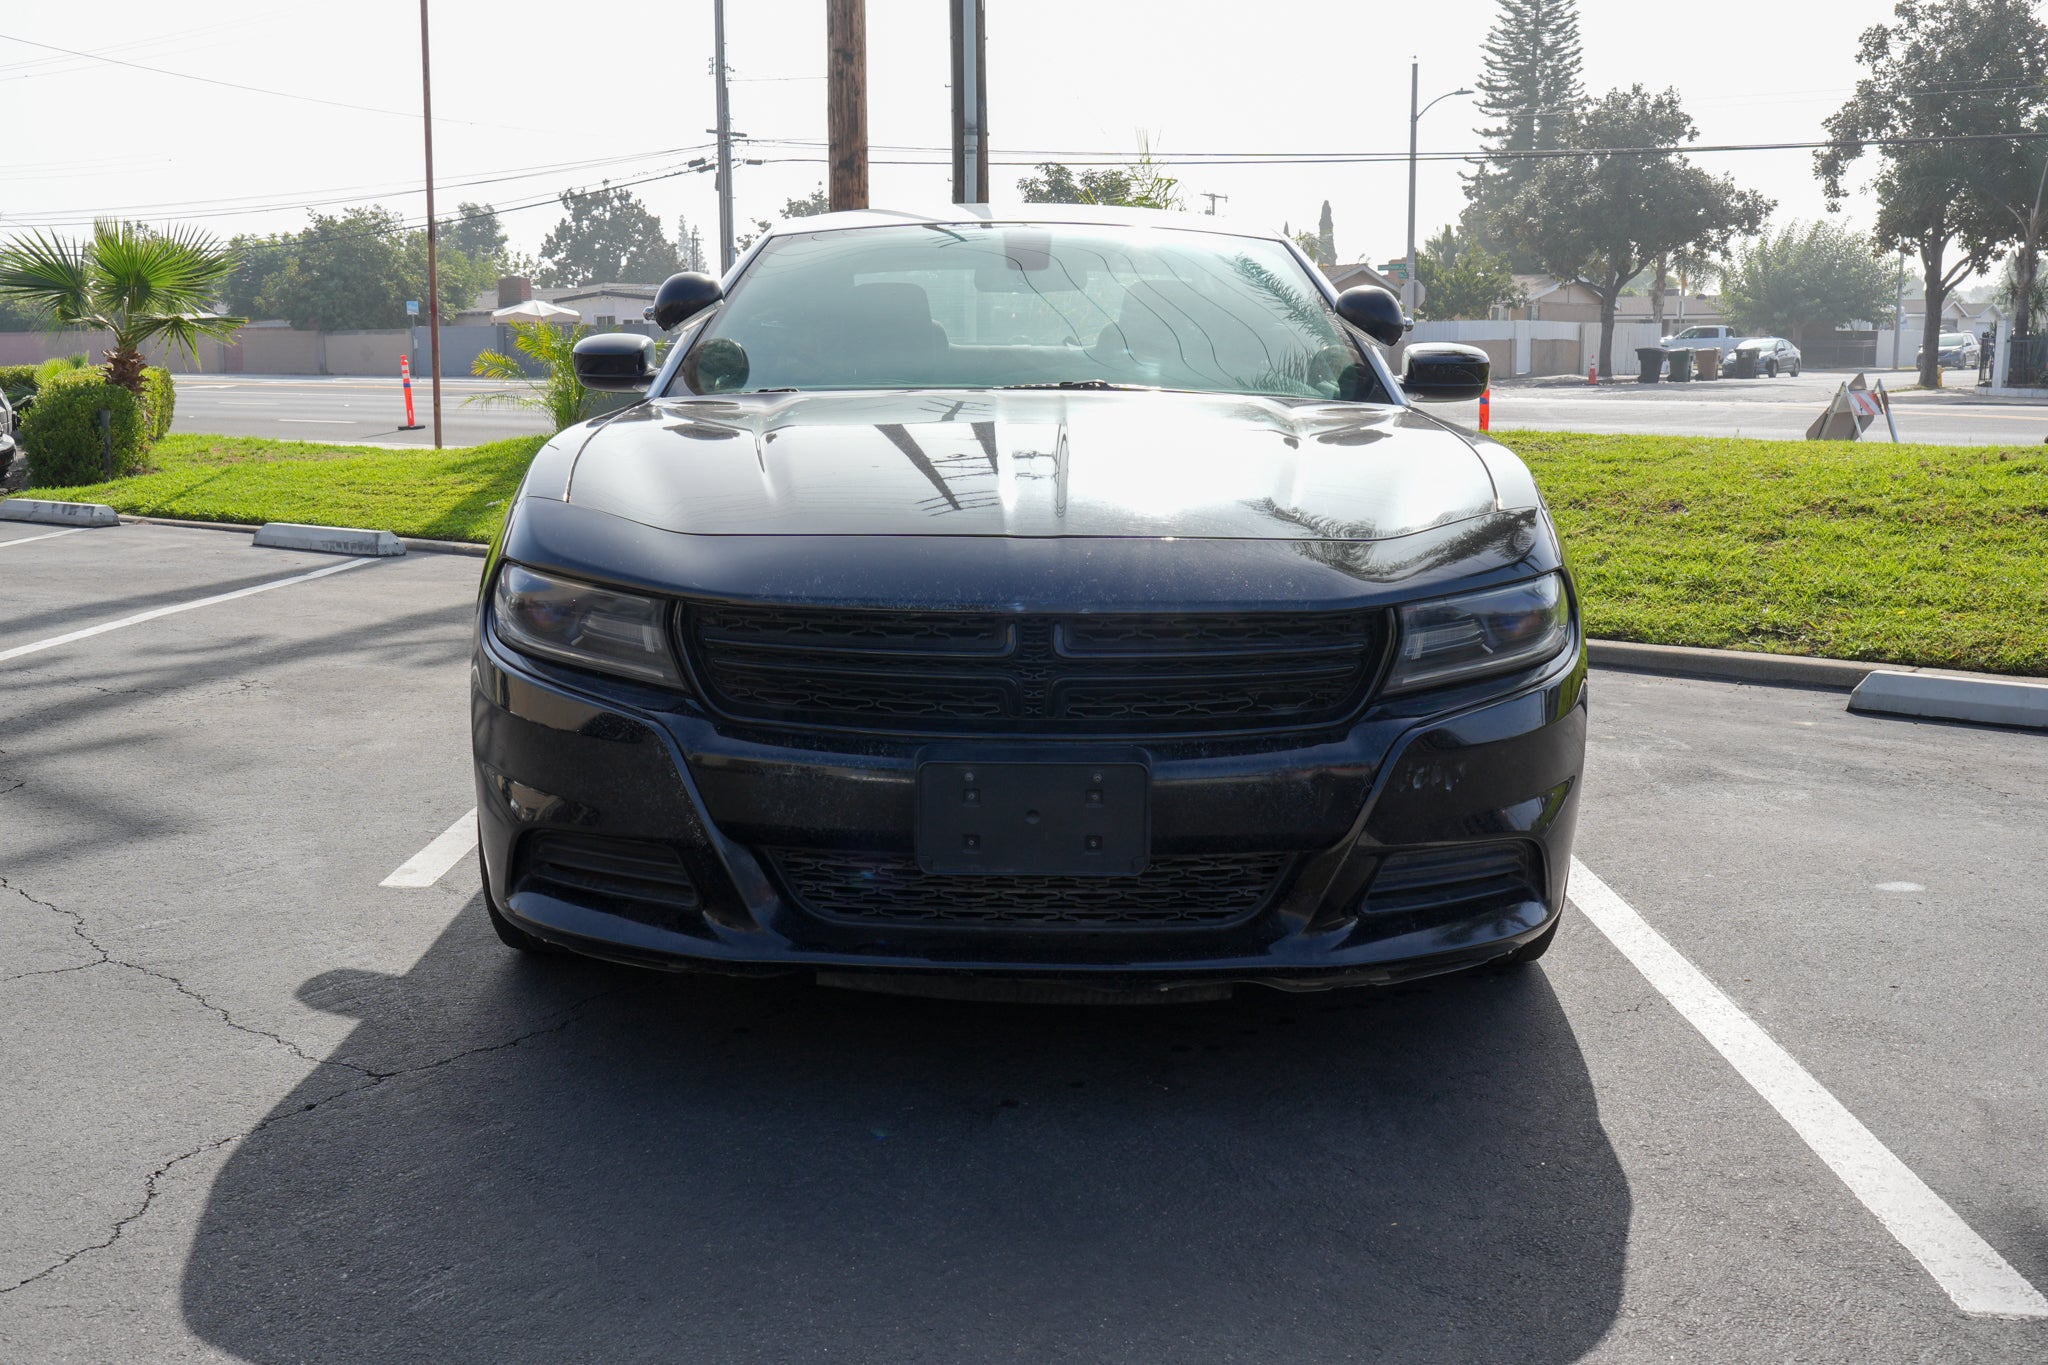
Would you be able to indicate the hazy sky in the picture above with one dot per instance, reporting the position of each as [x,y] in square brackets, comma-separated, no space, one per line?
[525,89]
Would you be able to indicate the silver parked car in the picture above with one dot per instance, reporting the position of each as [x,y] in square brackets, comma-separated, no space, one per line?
[1959,351]
[1766,357]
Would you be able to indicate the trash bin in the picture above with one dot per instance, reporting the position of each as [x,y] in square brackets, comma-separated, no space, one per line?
[1709,362]
[1742,365]
[1650,363]
[1681,366]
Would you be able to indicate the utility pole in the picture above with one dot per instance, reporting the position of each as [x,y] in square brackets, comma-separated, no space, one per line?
[1214,200]
[846,101]
[433,263]
[1408,286]
[970,101]
[724,131]
[1899,312]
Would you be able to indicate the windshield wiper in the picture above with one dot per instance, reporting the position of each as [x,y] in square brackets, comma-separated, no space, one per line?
[1074,384]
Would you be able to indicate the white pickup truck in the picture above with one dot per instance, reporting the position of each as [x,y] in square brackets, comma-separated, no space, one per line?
[1703,338]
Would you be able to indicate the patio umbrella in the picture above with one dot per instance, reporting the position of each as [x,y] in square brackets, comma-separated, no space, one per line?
[536,310]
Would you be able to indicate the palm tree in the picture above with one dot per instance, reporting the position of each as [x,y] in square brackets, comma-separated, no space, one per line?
[125,279]
[557,392]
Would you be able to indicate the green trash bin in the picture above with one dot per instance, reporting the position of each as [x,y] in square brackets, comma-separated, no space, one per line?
[1681,367]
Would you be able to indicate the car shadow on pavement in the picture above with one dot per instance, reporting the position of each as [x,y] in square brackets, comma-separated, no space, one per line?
[594,1163]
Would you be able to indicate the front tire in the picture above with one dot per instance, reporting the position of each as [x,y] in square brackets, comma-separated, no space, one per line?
[1771,370]
[1795,369]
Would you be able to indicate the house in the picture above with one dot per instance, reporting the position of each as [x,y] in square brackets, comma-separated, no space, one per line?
[1344,277]
[1550,299]
[602,306]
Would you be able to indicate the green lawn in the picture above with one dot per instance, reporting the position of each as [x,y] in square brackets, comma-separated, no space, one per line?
[1902,554]
[1912,554]
[443,495]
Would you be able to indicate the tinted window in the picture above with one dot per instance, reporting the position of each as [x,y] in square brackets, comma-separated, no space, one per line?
[988,305]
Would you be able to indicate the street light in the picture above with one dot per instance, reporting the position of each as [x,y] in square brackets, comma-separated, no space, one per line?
[1414,119]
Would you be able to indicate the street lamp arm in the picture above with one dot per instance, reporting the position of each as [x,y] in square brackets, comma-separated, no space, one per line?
[1448,94]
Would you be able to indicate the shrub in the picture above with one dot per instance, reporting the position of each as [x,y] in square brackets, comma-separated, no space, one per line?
[61,432]
[17,382]
[56,369]
[159,399]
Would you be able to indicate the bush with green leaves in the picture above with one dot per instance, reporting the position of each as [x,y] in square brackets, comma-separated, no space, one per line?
[54,369]
[17,382]
[61,432]
[159,400]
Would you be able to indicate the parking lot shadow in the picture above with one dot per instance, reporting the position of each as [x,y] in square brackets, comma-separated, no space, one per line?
[696,1169]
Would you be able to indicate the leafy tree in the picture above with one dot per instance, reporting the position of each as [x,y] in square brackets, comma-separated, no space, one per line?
[1462,279]
[18,317]
[1805,279]
[810,206]
[355,270]
[1326,238]
[689,246]
[1947,86]
[609,236]
[1530,88]
[1144,185]
[125,279]
[1604,217]
[474,232]
[557,392]
[257,258]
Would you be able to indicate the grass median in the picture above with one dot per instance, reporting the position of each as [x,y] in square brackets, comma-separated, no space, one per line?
[1915,554]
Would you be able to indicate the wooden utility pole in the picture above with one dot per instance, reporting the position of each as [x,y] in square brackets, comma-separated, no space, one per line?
[433,265]
[970,102]
[724,132]
[846,101]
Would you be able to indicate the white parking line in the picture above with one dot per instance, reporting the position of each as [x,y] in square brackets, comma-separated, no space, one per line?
[1976,1277]
[140,617]
[431,863]
[47,535]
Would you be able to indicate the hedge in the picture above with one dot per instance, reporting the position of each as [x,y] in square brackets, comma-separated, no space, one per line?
[61,431]
[160,400]
[17,382]
[52,370]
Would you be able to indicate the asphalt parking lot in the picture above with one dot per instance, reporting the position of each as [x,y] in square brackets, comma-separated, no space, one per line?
[261,1106]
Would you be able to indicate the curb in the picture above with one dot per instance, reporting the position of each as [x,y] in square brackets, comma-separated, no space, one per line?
[333,540]
[411,543]
[58,513]
[1935,696]
[1785,670]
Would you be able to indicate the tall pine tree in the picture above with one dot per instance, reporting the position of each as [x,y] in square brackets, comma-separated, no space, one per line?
[1531,90]
[1326,237]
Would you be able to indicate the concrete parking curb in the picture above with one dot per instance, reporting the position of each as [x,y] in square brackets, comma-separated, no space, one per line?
[333,540]
[1942,696]
[413,544]
[58,513]
[1734,665]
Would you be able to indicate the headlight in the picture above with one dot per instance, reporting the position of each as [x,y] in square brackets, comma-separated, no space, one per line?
[558,618]
[1453,639]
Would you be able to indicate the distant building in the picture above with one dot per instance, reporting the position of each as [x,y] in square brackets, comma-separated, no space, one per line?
[602,306]
[1553,300]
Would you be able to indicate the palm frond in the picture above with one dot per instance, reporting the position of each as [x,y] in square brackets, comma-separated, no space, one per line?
[52,276]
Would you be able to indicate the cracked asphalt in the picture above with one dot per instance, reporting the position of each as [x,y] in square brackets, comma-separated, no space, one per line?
[257,1107]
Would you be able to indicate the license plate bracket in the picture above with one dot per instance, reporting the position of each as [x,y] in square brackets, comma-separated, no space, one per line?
[1033,818]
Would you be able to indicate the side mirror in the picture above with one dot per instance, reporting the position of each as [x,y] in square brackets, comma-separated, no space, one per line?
[616,362]
[683,296]
[1445,372]
[1375,312]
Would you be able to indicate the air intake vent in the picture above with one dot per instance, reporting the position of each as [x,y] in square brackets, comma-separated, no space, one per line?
[637,876]
[1172,893]
[1438,878]
[951,672]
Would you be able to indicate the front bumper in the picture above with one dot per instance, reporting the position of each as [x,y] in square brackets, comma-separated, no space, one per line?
[562,754]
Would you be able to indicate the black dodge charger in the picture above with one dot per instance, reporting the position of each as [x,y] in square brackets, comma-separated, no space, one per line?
[1063,603]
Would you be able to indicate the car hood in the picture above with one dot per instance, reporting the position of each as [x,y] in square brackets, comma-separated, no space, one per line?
[1028,464]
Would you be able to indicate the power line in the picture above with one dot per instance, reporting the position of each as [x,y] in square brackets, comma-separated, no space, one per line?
[251,89]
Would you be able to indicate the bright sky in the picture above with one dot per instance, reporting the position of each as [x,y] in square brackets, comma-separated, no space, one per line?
[528,96]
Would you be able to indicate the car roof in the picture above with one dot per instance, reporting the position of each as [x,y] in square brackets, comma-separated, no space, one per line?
[1096,215]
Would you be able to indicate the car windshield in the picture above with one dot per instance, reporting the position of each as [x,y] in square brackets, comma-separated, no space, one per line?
[1955,339]
[1010,305]
[1696,332]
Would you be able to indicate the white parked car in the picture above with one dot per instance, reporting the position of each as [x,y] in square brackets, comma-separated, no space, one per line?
[1705,337]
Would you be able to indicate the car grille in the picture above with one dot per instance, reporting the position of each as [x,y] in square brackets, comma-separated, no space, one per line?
[869,888]
[946,672]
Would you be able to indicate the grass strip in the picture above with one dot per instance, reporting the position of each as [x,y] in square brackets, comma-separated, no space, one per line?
[1912,554]
[1908,554]
[456,494]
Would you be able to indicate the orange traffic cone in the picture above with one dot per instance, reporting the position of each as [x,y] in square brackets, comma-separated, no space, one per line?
[1486,410]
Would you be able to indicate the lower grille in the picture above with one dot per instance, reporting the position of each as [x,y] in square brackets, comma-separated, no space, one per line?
[868,888]
[1442,878]
[641,877]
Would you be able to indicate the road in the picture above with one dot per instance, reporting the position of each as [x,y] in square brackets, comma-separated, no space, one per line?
[345,410]
[371,410]
[1780,408]
[261,1107]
